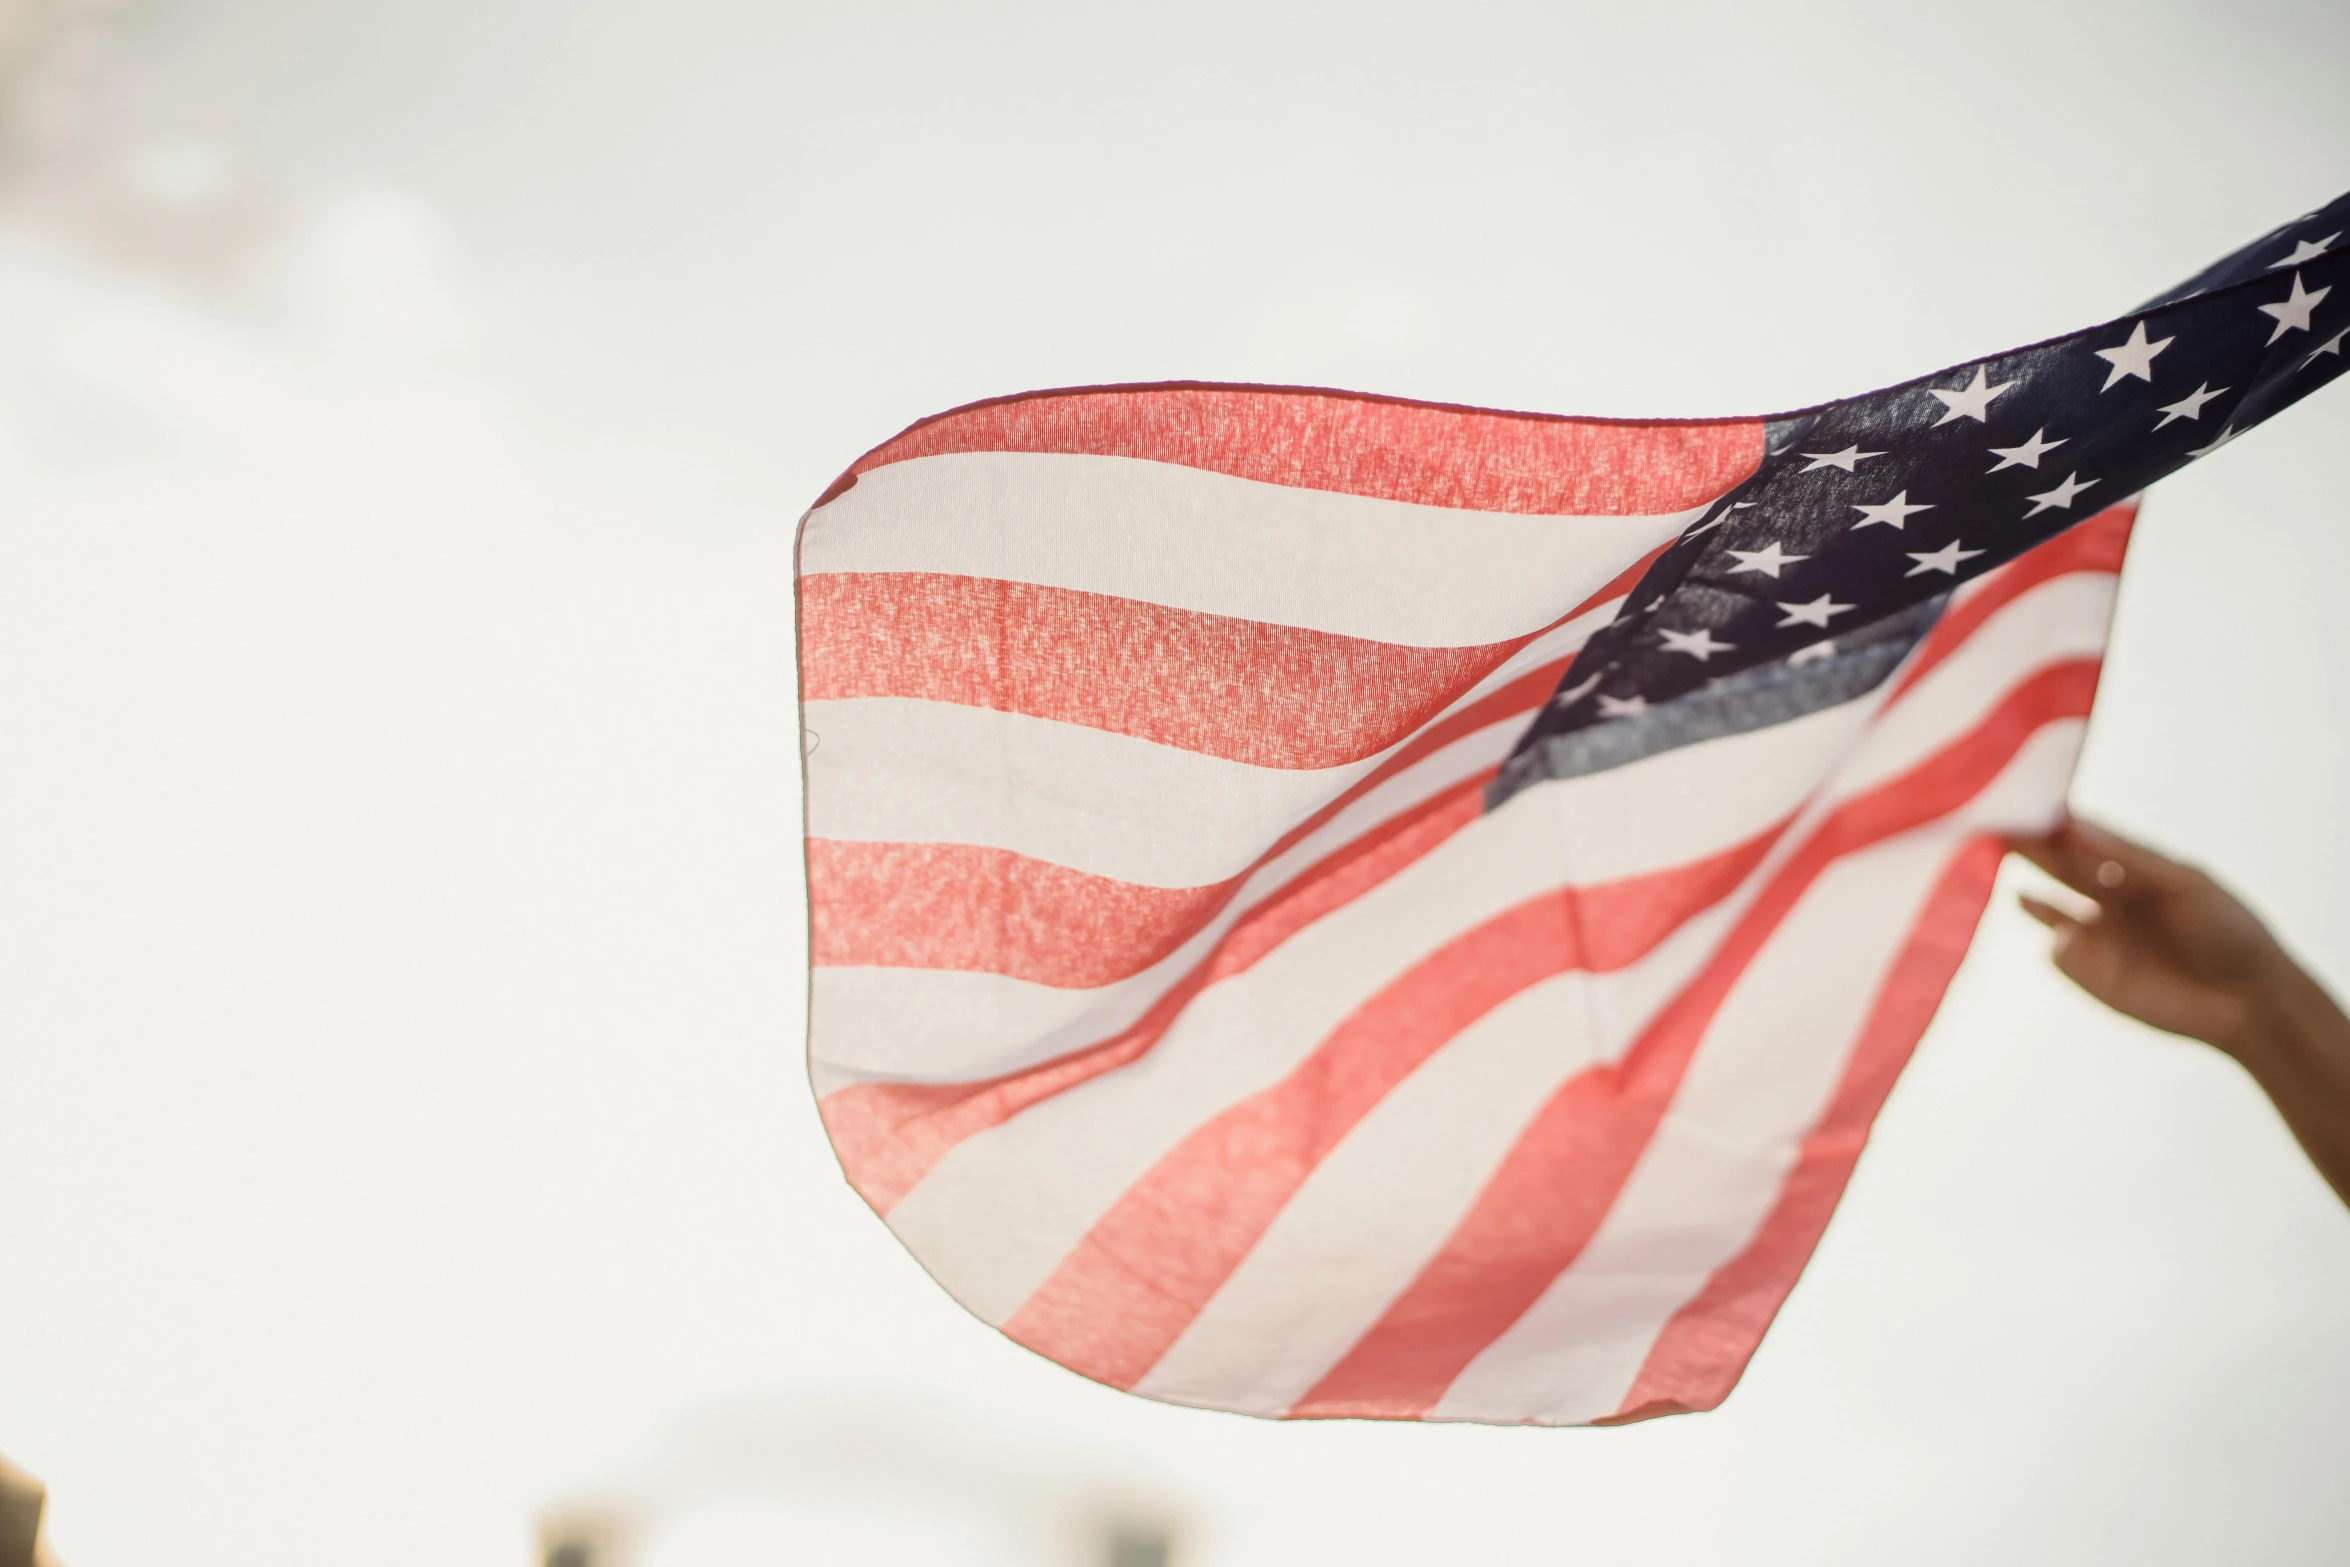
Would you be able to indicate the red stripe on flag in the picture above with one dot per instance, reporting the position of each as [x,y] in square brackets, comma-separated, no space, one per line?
[1430,454]
[993,911]
[1699,1356]
[1109,1318]
[1562,1176]
[1245,690]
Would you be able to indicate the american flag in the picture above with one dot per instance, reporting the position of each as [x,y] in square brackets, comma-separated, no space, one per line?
[1325,905]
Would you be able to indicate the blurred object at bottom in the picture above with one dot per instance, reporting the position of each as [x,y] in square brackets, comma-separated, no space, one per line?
[880,1486]
[586,1537]
[1139,1545]
[23,1542]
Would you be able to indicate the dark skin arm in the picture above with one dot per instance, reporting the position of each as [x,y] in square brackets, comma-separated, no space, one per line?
[2169,946]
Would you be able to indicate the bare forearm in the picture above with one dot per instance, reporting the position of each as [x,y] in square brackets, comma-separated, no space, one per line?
[2295,1042]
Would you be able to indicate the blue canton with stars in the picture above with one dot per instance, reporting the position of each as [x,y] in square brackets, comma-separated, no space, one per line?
[1826,566]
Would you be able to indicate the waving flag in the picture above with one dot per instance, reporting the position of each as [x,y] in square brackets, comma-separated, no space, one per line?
[1324,905]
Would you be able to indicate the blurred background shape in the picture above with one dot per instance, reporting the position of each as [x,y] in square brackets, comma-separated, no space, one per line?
[24,1541]
[85,154]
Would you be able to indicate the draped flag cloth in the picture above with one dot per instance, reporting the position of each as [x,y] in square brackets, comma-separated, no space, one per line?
[1325,905]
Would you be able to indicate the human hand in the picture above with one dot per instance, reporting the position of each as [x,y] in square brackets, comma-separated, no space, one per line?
[2164,944]
[2169,946]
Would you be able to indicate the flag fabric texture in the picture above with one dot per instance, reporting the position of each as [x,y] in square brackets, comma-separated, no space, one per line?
[1323,905]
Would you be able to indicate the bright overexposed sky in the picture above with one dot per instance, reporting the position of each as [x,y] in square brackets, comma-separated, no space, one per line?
[404,413]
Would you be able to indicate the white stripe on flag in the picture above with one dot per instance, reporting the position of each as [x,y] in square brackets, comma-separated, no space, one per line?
[889,769]
[1389,571]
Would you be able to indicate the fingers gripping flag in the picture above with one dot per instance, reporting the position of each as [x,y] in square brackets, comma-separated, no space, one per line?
[1323,905]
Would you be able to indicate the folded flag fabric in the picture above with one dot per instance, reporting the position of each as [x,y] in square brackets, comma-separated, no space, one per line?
[1325,905]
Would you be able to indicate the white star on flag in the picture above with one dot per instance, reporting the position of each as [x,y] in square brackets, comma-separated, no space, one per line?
[1575,693]
[2226,434]
[1816,612]
[2292,311]
[1895,511]
[1944,559]
[2027,455]
[1826,648]
[1698,644]
[2062,496]
[1845,459]
[1717,519]
[1972,401]
[2189,406]
[2332,345]
[1767,560]
[2133,358]
[2306,250]
[1622,706]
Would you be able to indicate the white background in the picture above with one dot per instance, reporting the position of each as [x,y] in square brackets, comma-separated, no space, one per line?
[402,1118]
